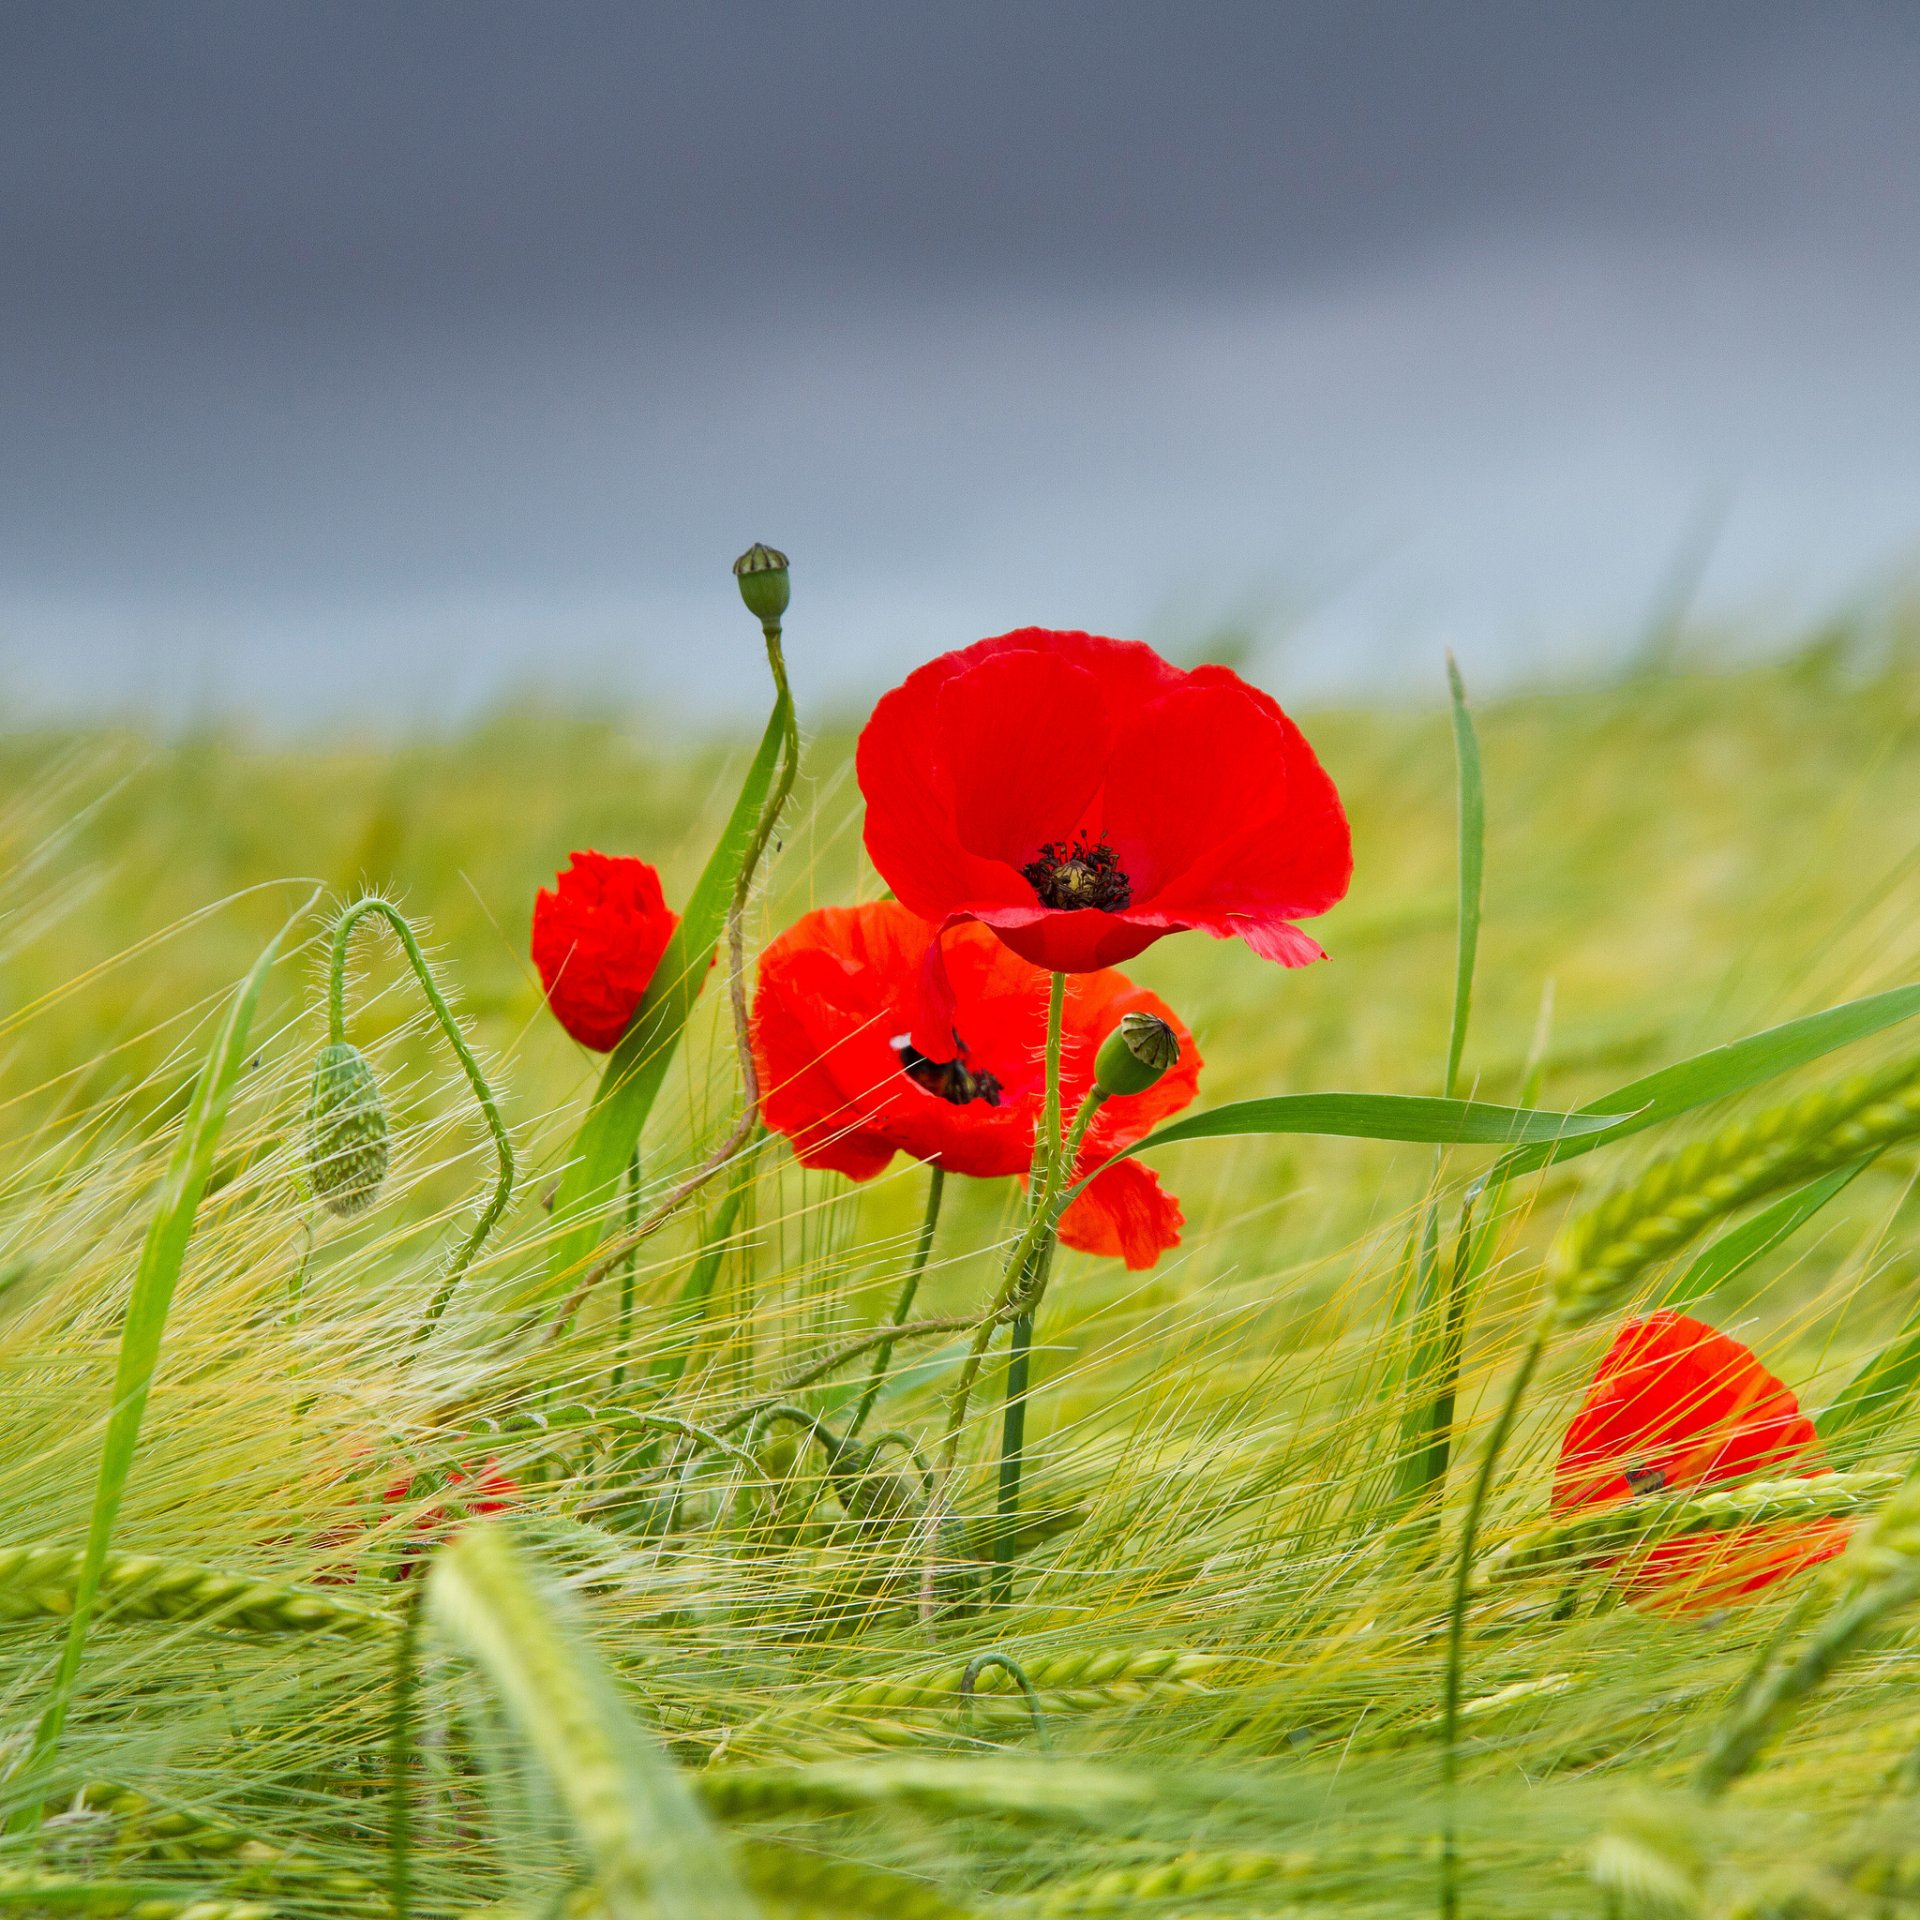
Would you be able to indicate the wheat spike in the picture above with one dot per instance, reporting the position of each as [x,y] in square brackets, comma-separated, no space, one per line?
[38,1580]
[1642,1522]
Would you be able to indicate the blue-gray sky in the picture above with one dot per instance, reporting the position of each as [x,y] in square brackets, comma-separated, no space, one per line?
[385,356]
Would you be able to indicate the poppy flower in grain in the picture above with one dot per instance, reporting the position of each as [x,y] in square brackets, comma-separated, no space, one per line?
[833,1017]
[1676,1404]
[1082,797]
[598,934]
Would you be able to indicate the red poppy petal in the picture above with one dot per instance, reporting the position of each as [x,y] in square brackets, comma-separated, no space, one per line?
[1023,740]
[1698,1572]
[1677,1395]
[1124,1214]
[1075,942]
[1258,828]
[910,832]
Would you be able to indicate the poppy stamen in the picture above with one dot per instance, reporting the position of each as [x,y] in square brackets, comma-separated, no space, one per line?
[1081,874]
[1646,1479]
[947,1080]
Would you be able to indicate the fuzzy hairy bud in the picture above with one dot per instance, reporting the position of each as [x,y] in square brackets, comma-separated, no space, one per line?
[348,1142]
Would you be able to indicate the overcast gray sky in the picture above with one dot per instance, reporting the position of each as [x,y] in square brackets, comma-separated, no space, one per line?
[389,356]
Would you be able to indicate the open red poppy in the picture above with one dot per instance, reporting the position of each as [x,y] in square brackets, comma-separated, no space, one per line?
[1082,797]
[598,934]
[1676,1404]
[838,996]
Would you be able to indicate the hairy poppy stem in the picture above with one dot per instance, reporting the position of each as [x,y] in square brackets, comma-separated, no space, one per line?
[1457,1610]
[1030,1279]
[936,1189]
[489,1108]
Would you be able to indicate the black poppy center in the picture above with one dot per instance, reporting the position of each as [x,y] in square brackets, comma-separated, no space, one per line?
[946,1080]
[1646,1479]
[1068,876]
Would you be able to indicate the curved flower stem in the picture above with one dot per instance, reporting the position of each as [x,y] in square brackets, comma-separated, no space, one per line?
[502,1147]
[1457,1610]
[1012,1667]
[741,1133]
[936,1188]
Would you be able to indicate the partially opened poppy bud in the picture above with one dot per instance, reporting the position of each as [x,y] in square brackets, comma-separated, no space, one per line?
[347,1136]
[762,573]
[1134,1055]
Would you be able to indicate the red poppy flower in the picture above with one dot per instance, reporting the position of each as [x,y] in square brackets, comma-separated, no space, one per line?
[598,934]
[838,997]
[1082,797]
[466,1496]
[1675,1404]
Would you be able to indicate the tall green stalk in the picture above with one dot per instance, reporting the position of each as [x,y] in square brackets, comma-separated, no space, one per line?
[373,905]
[1049,1178]
[936,1189]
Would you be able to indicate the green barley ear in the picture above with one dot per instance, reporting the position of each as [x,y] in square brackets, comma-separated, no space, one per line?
[348,1138]
[1649,1861]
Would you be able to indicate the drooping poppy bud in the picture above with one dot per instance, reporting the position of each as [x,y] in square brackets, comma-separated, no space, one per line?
[762,574]
[347,1134]
[1134,1055]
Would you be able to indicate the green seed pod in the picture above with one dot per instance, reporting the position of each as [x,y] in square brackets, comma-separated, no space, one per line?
[1134,1055]
[762,574]
[347,1144]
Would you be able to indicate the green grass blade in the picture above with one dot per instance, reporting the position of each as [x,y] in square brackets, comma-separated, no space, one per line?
[1471,806]
[637,1068]
[1724,1071]
[1734,1252]
[1374,1116]
[162,1255]
[652,1849]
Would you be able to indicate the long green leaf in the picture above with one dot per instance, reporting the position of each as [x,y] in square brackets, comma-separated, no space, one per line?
[637,1067]
[1373,1116]
[652,1848]
[1734,1252]
[162,1255]
[1471,806]
[1723,1071]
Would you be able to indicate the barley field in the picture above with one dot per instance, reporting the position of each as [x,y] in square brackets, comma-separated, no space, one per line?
[576,1595]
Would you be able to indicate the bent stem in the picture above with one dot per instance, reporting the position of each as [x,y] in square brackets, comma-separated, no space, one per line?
[496,1205]
[936,1188]
[1457,1611]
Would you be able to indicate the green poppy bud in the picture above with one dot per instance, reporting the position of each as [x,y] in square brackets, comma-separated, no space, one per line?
[1134,1055]
[347,1145]
[762,573]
